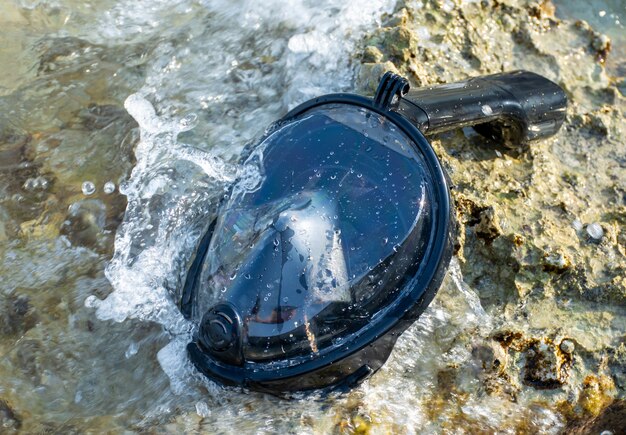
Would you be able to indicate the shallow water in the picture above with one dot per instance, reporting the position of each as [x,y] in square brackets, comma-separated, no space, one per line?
[156,98]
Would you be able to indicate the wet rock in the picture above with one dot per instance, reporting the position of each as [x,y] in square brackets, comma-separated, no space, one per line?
[597,393]
[602,45]
[567,346]
[542,9]
[482,218]
[612,420]
[492,361]
[85,223]
[25,357]
[10,422]
[355,425]
[490,356]
[400,43]
[97,117]
[547,366]
[370,74]
[516,245]
[556,261]
[487,227]
[372,54]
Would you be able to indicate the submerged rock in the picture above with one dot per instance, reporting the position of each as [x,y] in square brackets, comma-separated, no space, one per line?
[10,422]
[16,315]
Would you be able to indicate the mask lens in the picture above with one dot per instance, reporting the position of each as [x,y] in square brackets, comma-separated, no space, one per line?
[331,236]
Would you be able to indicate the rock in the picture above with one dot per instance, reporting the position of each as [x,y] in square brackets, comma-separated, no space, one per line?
[399,42]
[567,346]
[372,54]
[612,420]
[490,356]
[602,45]
[487,227]
[370,73]
[85,222]
[546,365]
[556,261]
[596,394]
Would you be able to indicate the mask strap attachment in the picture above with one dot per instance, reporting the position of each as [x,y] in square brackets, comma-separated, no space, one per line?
[391,86]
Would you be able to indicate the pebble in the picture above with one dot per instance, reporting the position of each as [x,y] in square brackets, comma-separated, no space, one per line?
[595,231]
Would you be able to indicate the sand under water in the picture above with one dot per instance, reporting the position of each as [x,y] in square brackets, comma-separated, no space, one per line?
[119,129]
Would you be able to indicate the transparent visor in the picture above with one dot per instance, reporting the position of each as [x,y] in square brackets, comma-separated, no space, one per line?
[331,235]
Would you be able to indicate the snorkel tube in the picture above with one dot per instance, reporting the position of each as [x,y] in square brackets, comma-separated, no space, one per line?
[511,108]
[306,281]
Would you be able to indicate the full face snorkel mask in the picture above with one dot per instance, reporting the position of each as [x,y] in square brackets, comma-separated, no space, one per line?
[306,280]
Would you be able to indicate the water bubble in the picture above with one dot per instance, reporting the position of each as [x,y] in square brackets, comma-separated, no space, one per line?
[37,183]
[188,122]
[132,350]
[88,188]
[109,187]
[595,231]
[202,409]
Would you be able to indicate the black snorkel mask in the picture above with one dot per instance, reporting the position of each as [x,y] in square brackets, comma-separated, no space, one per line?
[306,280]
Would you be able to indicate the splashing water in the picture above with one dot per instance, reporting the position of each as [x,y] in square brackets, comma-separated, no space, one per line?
[202,78]
[175,187]
[191,133]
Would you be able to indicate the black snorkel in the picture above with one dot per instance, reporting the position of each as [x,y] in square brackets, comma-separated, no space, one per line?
[306,281]
[513,108]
